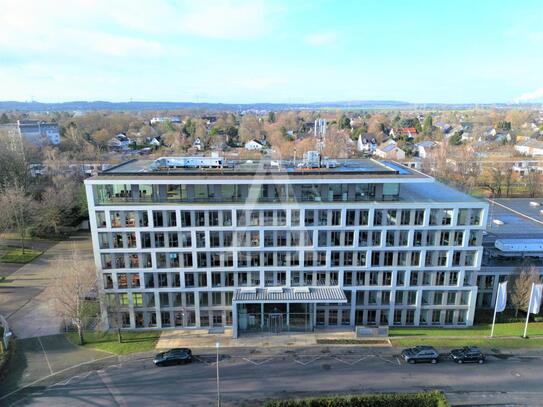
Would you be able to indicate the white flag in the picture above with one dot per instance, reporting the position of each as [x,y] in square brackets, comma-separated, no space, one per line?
[537,290]
[501,297]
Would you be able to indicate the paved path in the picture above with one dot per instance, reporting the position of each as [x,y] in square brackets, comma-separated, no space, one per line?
[249,379]
[22,299]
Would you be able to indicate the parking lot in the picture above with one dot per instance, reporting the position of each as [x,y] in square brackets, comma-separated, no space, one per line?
[249,377]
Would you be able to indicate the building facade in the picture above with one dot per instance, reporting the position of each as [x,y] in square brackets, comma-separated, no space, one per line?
[275,246]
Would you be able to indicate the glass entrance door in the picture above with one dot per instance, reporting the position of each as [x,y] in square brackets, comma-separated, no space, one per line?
[276,323]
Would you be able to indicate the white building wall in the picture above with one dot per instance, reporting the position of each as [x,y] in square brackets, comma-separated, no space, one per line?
[360,307]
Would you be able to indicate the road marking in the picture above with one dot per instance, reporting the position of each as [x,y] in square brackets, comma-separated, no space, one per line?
[5,396]
[308,362]
[258,363]
[398,360]
[45,354]
[350,363]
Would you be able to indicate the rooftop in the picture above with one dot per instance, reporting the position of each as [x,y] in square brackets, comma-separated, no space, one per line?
[515,218]
[217,166]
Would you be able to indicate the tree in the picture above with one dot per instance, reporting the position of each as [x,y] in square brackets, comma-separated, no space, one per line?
[522,287]
[533,183]
[456,139]
[4,119]
[344,122]
[428,126]
[73,290]
[16,212]
[271,117]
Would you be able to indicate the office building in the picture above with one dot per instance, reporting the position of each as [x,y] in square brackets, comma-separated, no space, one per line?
[274,245]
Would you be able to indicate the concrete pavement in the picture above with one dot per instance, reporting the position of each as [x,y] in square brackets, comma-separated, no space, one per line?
[23,302]
[249,379]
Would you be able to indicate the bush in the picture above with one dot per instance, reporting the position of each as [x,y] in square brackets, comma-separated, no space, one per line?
[423,399]
[484,316]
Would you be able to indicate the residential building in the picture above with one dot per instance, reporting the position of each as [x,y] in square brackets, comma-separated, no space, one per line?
[35,131]
[162,119]
[389,150]
[121,142]
[193,242]
[530,147]
[425,147]
[253,145]
[366,143]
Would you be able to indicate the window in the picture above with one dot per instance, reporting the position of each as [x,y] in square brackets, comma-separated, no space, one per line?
[309,218]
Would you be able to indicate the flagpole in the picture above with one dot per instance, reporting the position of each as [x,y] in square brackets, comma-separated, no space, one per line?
[494,319]
[528,315]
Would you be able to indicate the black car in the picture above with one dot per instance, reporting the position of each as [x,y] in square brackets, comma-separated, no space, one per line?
[175,356]
[467,354]
[420,354]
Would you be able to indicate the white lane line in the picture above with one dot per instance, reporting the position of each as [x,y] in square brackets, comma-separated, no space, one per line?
[351,363]
[308,362]
[5,396]
[257,363]
[398,360]
[45,354]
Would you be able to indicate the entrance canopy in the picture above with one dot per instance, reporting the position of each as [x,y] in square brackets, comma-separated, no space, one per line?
[289,295]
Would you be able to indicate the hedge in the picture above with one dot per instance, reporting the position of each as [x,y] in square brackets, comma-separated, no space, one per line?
[422,399]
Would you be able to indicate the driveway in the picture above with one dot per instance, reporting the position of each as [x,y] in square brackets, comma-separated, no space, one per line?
[23,302]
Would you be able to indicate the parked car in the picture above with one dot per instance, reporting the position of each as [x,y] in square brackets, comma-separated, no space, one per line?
[175,356]
[467,354]
[420,354]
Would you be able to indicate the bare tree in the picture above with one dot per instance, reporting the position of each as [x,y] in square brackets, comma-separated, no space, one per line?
[114,313]
[16,212]
[522,286]
[73,291]
[533,183]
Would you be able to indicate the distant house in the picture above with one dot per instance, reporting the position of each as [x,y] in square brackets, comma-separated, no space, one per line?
[524,167]
[530,147]
[254,145]
[424,147]
[410,132]
[197,144]
[120,143]
[366,143]
[390,151]
[414,162]
[154,142]
[445,127]
[162,119]
[39,132]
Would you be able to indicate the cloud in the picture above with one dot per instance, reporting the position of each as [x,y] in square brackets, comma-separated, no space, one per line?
[320,39]
[226,19]
[531,96]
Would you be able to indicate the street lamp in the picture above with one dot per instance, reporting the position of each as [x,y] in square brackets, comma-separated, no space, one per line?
[217,345]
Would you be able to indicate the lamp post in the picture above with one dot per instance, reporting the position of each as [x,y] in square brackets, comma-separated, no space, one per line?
[217,345]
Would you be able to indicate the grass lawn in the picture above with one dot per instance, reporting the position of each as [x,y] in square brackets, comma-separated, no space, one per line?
[16,255]
[459,342]
[107,341]
[505,329]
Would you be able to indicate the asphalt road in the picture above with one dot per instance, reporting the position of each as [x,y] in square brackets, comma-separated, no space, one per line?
[249,379]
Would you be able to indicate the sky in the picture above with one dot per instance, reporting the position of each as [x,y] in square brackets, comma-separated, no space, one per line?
[248,51]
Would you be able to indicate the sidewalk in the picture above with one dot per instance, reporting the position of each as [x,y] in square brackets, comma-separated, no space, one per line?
[201,338]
